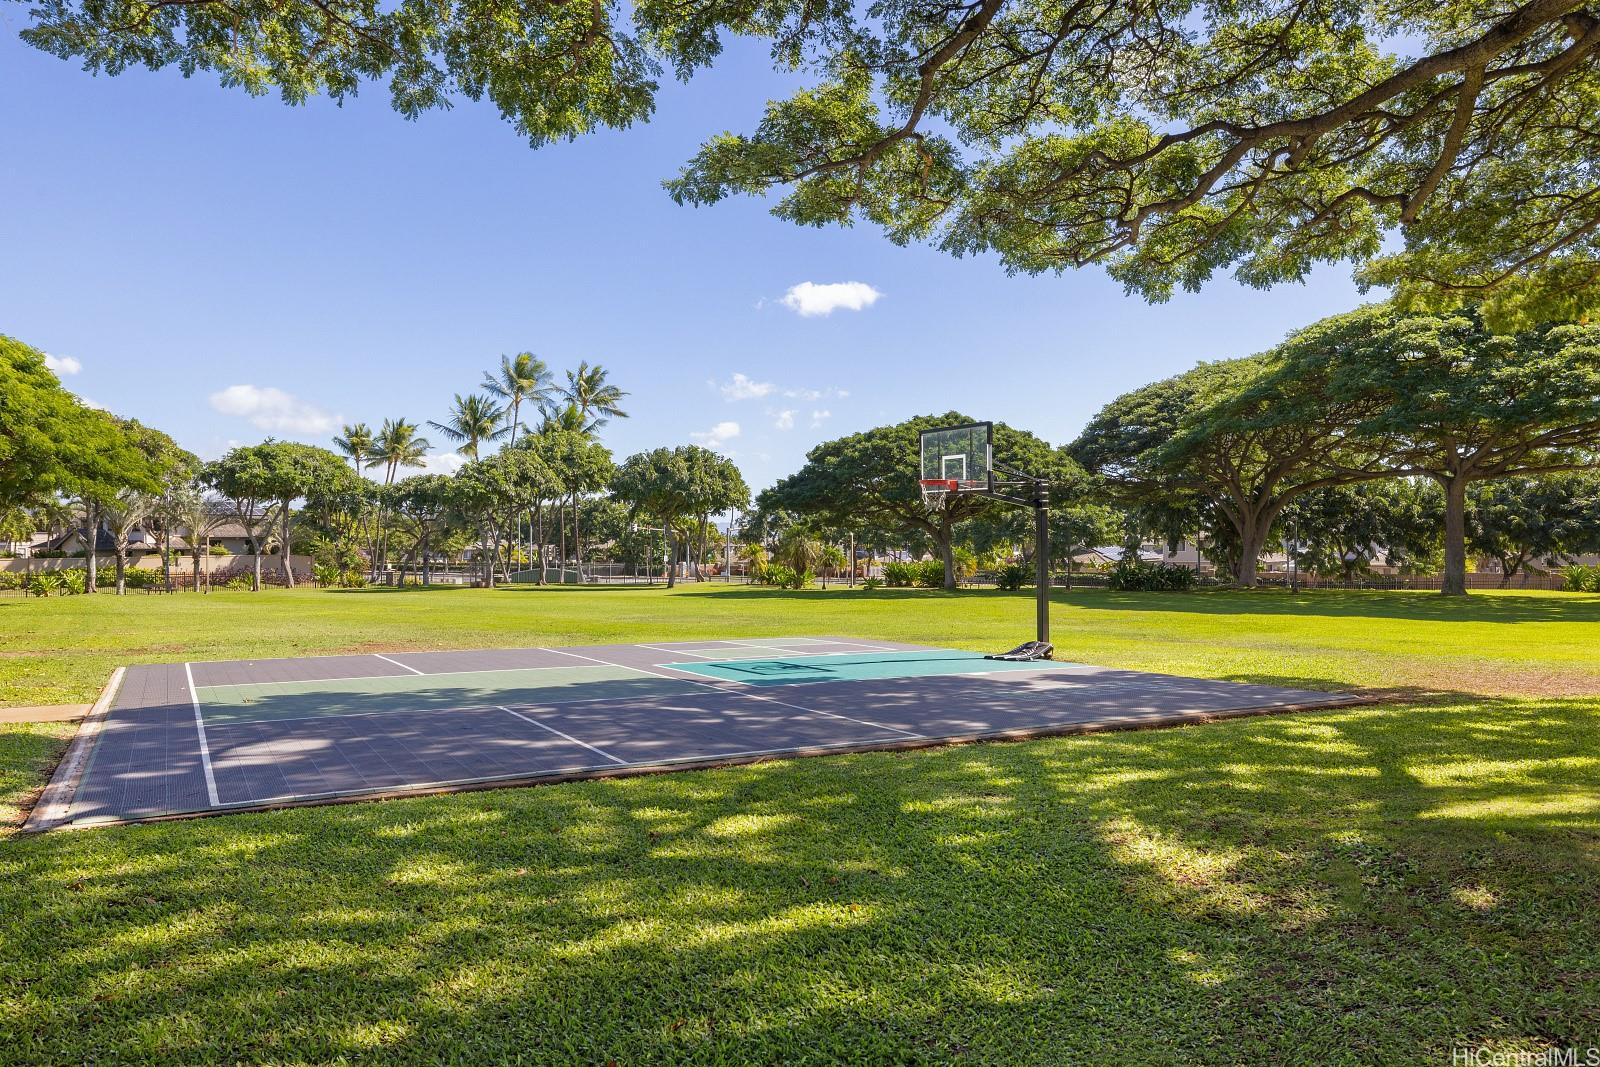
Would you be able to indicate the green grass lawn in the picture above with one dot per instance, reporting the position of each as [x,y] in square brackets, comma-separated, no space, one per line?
[1376,884]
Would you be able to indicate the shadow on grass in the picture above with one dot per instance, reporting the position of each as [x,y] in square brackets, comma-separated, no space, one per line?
[1372,884]
[1419,606]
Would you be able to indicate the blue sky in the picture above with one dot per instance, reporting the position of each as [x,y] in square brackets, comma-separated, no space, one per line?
[176,240]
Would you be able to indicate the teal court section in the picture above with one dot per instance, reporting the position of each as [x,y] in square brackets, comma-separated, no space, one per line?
[856,667]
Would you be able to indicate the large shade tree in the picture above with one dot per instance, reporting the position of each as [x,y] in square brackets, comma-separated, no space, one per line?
[424,501]
[1523,521]
[1216,433]
[50,442]
[873,477]
[1167,140]
[241,478]
[1442,397]
[666,485]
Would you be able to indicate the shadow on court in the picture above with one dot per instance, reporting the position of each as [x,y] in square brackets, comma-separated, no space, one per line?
[1364,885]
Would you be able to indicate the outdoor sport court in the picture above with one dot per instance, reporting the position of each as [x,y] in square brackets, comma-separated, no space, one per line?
[205,738]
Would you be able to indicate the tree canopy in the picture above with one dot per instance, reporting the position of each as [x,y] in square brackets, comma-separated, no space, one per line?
[1375,393]
[1167,141]
[671,485]
[1441,396]
[50,441]
[1212,433]
[872,477]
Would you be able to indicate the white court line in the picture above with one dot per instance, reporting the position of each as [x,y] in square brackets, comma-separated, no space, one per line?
[200,728]
[704,651]
[850,648]
[762,696]
[565,737]
[379,677]
[459,707]
[754,696]
[519,775]
[504,670]
[397,663]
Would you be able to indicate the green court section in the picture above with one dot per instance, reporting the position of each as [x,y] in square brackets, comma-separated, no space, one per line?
[855,667]
[427,692]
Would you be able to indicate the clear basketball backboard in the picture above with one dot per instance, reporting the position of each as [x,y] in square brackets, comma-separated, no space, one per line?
[955,459]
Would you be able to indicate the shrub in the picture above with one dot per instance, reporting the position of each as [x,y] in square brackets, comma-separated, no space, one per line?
[138,578]
[786,577]
[217,550]
[899,575]
[1136,576]
[329,574]
[1013,576]
[47,582]
[238,581]
[870,584]
[75,579]
[930,573]
[1581,579]
[13,580]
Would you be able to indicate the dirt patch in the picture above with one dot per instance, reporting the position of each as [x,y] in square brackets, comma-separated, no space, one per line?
[45,713]
[1501,681]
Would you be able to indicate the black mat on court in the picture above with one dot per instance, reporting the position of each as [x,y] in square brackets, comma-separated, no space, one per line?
[202,738]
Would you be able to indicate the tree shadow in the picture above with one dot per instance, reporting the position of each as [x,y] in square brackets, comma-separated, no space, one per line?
[1367,884]
[1379,604]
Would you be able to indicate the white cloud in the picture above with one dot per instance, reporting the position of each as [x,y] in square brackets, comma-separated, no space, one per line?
[809,298]
[273,409]
[436,463]
[744,387]
[819,417]
[816,394]
[86,402]
[62,364]
[784,420]
[719,435]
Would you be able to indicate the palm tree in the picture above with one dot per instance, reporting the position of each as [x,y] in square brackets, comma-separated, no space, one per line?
[473,420]
[189,509]
[587,390]
[589,393]
[123,513]
[356,443]
[521,377]
[397,445]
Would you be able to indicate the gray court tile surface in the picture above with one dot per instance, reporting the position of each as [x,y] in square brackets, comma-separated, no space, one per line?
[265,732]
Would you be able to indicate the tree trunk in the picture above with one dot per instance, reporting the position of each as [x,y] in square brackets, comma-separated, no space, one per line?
[91,519]
[255,570]
[194,558]
[166,555]
[577,537]
[122,566]
[1455,537]
[947,552]
[538,516]
[493,544]
[699,554]
[1252,535]
[288,564]
[427,569]
[672,554]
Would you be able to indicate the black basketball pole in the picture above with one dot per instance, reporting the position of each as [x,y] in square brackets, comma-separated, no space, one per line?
[1041,550]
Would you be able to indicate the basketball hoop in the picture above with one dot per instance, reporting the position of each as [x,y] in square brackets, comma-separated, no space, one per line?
[934,490]
[954,459]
